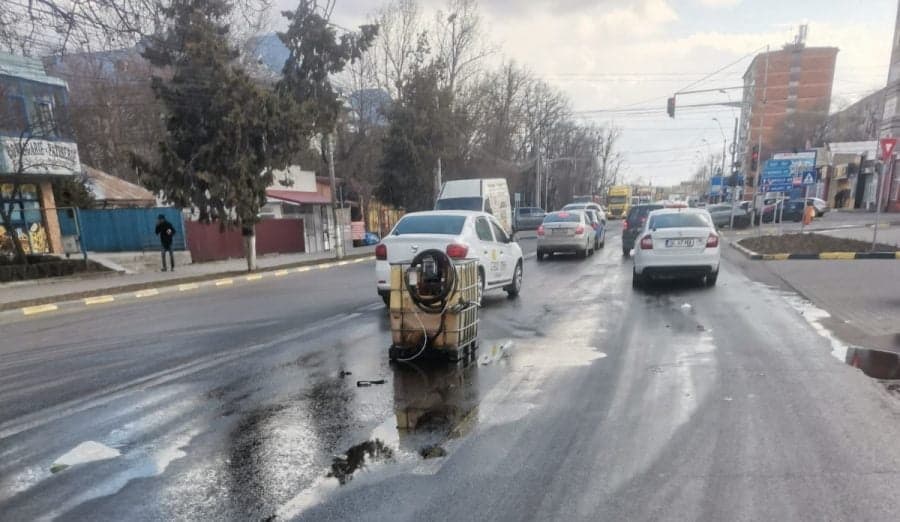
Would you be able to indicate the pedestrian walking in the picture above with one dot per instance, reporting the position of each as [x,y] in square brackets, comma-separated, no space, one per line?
[166,233]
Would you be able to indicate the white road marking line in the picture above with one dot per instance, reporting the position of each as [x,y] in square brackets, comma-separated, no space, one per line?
[254,277]
[224,282]
[188,286]
[147,293]
[280,273]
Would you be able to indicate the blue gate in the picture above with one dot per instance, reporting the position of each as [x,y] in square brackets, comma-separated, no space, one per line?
[121,229]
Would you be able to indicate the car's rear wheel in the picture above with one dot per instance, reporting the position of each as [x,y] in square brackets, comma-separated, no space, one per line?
[712,278]
[516,286]
[480,284]
[540,255]
[582,253]
[387,299]
[626,251]
[637,280]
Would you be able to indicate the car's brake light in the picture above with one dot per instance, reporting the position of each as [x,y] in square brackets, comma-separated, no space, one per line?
[540,230]
[457,251]
[381,252]
[646,243]
[625,225]
[712,241]
[579,230]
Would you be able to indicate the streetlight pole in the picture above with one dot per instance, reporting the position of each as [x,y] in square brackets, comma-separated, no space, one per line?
[724,148]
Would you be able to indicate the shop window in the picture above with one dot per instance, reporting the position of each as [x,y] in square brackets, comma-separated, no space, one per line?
[24,206]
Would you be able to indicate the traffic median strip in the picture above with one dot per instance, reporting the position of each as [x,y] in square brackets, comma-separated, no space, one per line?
[823,256]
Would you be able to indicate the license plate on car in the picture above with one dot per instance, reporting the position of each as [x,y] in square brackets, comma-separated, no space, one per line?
[679,243]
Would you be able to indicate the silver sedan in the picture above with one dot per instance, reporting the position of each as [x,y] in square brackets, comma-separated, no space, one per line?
[565,231]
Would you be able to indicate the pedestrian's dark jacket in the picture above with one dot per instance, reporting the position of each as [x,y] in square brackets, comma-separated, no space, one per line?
[162,230]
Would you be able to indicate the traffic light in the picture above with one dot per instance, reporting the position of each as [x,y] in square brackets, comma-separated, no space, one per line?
[670,107]
[754,158]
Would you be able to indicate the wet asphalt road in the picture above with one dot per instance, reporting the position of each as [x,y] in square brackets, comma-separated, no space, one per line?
[588,402]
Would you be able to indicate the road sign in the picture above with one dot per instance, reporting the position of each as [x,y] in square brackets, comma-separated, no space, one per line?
[518,198]
[776,176]
[809,179]
[887,147]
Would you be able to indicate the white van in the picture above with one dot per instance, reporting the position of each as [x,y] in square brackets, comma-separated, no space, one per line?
[482,195]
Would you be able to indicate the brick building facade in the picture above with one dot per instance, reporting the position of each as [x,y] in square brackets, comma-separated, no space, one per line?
[787,94]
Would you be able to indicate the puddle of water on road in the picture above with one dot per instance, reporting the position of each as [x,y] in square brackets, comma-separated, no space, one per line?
[344,466]
[143,463]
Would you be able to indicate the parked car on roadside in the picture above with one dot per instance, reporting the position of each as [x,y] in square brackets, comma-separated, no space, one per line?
[721,215]
[529,218]
[565,231]
[462,235]
[781,211]
[677,243]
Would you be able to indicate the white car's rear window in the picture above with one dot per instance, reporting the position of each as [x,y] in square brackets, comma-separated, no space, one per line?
[441,225]
[678,221]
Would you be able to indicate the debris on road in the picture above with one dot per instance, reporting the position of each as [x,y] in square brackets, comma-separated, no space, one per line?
[433,452]
[363,384]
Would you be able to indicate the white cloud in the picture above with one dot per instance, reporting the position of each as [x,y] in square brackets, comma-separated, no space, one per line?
[719,3]
[599,39]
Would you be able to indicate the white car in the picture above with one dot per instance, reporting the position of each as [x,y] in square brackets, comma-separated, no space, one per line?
[584,206]
[677,243]
[462,235]
[820,205]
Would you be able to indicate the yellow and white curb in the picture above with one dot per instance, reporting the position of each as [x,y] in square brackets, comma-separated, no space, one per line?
[227,282]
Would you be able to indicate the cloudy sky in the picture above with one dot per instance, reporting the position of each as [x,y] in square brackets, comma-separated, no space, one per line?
[610,55]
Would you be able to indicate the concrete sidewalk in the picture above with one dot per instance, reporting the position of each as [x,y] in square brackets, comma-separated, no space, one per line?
[862,296]
[888,235]
[29,291]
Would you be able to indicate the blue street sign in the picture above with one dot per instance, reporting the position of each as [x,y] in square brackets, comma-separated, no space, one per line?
[716,181]
[776,176]
[809,178]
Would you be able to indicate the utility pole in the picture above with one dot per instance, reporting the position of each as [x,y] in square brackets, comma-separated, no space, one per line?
[734,185]
[336,232]
[762,120]
[438,182]
[537,168]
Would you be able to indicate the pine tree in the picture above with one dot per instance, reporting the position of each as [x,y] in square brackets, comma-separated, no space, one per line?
[224,134]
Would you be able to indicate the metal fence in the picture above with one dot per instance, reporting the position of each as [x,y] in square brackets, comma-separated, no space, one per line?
[121,229]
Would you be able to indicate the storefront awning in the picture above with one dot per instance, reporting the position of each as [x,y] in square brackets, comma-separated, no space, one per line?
[299,198]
